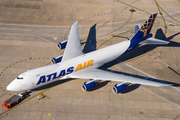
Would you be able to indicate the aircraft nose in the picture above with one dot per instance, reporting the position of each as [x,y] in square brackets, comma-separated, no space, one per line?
[8,88]
[14,86]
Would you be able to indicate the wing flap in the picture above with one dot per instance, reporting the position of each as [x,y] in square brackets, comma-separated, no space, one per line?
[73,47]
[110,76]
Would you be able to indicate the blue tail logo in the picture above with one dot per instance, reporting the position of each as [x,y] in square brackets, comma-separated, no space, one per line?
[146,28]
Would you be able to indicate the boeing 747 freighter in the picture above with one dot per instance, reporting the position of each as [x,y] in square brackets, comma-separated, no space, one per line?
[75,64]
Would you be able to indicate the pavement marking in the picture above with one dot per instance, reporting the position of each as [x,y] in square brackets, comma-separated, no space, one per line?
[55,38]
[152,77]
[87,25]
[112,38]
[139,70]
[116,15]
[161,16]
[176,117]
[31,25]
[9,67]
[151,91]
[23,101]
[148,12]
[30,36]
[176,88]
[101,25]
[162,90]
[45,96]
[27,98]
[160,97]
[120,26]
[168,14]
[148,75]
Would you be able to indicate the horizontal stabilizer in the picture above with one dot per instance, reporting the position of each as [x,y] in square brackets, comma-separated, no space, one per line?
[137,27]
[154,41]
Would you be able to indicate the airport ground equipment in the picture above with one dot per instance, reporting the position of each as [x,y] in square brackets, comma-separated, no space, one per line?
[12,101]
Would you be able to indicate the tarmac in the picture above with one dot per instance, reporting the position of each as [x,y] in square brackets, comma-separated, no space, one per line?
[30,30]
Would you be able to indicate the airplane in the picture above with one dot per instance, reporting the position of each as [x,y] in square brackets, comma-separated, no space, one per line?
[75,64]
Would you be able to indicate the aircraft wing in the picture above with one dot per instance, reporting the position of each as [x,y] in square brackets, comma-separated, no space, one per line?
[98,74]
[73,47]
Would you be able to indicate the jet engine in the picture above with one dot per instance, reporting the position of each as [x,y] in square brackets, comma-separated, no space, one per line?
[89,85]
[62,45]
[119,88]
[56,59]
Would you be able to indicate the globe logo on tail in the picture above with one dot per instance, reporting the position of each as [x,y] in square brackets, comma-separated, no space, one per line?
[148,24]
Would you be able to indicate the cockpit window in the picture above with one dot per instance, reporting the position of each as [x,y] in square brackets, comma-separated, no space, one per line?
[19,77]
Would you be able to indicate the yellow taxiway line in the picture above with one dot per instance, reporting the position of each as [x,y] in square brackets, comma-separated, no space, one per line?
[149,12]
[45,95]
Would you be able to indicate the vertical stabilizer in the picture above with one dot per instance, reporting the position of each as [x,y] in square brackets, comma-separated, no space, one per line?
[146,28]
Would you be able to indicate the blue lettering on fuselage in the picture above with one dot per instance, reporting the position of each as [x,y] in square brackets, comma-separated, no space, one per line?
[46,78]
[49,76]
[70,70]
[42,79]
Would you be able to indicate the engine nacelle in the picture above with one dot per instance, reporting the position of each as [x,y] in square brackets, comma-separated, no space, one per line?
[119,88]
[56,59]
[62,45]
[88,85]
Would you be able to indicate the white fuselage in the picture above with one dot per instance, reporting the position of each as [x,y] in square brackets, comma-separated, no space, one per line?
[47,74]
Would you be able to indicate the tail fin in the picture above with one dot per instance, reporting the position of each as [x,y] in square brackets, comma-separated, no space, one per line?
[146,28]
